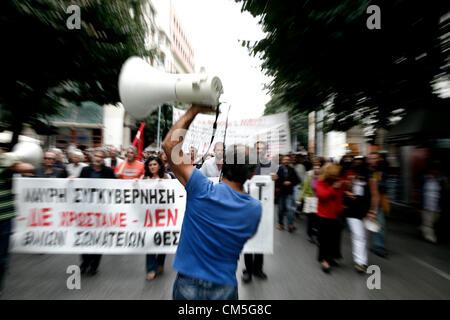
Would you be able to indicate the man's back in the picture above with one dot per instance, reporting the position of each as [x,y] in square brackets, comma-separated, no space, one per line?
[217,223]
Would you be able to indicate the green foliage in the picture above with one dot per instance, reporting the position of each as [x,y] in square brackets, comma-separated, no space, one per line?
[44,62]
[322,51]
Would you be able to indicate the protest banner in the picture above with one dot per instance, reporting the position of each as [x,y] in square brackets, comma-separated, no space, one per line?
[106,216]
[273,129]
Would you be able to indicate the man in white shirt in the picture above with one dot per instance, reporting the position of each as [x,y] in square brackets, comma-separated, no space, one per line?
[213,166]
[75,166]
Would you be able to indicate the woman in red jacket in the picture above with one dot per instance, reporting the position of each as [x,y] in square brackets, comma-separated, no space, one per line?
[329,194]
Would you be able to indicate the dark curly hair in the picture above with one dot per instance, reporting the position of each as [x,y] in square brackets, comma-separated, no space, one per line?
[239,166]
[161,167]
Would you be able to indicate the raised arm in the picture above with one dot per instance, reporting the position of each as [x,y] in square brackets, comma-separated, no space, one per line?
[182,168]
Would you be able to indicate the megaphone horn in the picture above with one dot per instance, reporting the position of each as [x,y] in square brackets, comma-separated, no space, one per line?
[143,88]
[24,151]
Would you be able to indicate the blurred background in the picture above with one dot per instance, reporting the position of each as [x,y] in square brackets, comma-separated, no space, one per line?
[353,81]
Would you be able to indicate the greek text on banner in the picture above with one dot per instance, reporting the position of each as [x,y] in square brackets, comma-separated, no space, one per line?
[108,216]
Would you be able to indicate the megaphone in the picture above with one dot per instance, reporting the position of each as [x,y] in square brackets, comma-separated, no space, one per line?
[143,88]
[24,151]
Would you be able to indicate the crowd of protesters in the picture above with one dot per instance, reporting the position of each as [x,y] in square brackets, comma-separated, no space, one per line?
[332,196]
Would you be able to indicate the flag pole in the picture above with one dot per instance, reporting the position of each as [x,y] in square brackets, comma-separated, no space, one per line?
[139,141]
[159,121]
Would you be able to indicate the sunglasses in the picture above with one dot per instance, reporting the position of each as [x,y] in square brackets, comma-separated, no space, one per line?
[46,158]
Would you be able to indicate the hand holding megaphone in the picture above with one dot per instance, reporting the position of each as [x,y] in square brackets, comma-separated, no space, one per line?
[143,88]
[198,108]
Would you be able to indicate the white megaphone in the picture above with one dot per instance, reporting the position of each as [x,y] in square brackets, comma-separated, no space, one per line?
[143,88]
[24,151]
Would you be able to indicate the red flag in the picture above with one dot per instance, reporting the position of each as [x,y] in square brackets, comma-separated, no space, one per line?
[139,141]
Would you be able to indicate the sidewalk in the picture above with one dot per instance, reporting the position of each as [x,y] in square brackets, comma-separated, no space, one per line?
[410,216]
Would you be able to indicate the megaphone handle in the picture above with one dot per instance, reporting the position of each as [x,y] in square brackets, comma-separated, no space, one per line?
[213,134]
[215,121]
[224,138]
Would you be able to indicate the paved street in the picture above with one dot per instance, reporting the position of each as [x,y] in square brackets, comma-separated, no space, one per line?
[414,270]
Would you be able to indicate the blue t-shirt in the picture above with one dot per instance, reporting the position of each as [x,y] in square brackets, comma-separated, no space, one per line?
[217,223]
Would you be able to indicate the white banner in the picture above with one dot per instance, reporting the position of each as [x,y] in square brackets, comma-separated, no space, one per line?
[111,216]
[273,129]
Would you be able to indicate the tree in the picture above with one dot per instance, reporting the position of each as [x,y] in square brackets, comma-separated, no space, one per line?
[322,52]
[44,63]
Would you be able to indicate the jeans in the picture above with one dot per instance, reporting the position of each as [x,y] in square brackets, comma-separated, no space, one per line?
[186,288]
[379,239]
[153,261]
[297,191]
[286,204]
[5,235]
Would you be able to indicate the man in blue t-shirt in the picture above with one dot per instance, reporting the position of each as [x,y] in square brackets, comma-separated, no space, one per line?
[218,221]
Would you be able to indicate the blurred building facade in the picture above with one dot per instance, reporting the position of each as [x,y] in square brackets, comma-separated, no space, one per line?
[81,125]
[172,52]
[92,125]
[421,137]
[181,49]
[334,144]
